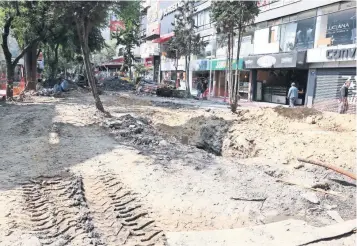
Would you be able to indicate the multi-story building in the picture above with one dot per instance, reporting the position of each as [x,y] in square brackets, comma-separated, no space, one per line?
[311,43]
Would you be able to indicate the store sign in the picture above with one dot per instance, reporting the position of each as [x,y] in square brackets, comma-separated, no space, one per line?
[332,54]
[172,8]
[266,61]
[279,60]
[222,64]
[341,53]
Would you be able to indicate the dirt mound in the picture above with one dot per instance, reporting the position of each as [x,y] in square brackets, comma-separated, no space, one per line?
[133,130]
[296,113]
[117,85]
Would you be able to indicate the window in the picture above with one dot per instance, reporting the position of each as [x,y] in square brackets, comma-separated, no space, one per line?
[203,20]
[305,34]
[287,37]
[273,34]
[341,27]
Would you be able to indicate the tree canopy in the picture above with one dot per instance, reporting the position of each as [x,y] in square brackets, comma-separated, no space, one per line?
[231,18]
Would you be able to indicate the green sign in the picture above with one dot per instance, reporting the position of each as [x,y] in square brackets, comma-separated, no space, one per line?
[222,64]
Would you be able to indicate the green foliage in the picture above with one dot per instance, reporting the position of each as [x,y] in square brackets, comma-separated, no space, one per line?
[230,15]
[231,18]
[185,41]
[129,38]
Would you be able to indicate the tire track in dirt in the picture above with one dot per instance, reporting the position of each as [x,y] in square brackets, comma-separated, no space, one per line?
[117,215]
[72,210]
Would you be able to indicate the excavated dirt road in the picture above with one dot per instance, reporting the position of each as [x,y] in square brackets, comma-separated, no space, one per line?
[68,176]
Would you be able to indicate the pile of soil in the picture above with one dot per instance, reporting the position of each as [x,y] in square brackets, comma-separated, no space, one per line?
[117,85]
[133,130]
[277,134]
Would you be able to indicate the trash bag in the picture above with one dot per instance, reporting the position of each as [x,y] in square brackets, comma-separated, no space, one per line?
[64,85]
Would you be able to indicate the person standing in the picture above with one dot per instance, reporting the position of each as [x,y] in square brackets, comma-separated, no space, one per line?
[343,102]
[292,95]
[204,89]
[199,88]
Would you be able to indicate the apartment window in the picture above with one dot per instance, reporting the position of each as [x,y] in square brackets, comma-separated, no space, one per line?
[203,20]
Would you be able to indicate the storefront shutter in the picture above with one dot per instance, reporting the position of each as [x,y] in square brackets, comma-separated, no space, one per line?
[328,84]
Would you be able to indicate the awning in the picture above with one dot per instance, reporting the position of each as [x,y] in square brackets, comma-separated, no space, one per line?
[164,38]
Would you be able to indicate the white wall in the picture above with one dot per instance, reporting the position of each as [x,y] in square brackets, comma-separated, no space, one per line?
[261,42]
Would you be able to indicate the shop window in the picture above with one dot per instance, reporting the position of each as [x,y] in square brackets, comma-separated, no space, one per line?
[338,28]
[305,34]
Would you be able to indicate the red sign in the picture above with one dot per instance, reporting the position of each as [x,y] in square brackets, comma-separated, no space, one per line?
[116,26]
[149,61]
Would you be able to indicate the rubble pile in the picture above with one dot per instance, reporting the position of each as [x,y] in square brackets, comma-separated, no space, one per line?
[134,130]
[117,85]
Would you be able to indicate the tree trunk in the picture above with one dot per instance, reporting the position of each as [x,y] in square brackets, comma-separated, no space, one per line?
[10,77]
[30,60]
[187,75]
[82,29]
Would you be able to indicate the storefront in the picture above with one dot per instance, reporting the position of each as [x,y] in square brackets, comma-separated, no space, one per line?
[201,70]
[272,75]
[329,68]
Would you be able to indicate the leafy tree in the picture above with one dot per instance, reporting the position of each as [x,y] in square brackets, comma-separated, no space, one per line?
[29,22]
[231,18]
[185,37]
[105,54]
[129,13]
[174,51]
[86,16]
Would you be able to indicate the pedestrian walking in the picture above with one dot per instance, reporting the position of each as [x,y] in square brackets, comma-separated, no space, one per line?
[292,95]
[343,102]
[199,89]
[204,89]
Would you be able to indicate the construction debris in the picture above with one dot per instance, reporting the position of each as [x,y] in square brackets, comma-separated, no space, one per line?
[329,166]
[335,215]
[311,197]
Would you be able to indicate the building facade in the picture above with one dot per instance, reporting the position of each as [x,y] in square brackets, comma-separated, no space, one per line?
[311,43]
